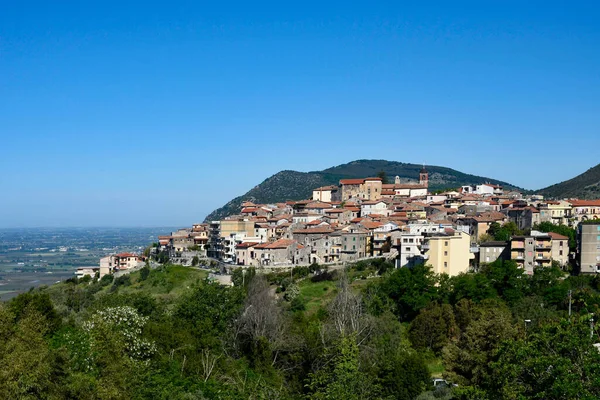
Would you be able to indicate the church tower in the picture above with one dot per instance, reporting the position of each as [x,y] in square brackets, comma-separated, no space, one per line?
[397,180]
[424,177]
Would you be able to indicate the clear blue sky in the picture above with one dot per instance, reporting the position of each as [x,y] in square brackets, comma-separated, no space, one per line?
[135,114]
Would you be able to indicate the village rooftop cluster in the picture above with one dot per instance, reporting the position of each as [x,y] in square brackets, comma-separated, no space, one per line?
[401,221]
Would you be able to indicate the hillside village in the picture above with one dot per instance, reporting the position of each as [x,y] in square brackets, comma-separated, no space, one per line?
[451,231]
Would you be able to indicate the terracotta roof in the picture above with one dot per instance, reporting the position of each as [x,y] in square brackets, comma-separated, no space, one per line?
[371,224]
[557,236]
[313,231]
[352,181]
[281,244]
[323,188]
[245,245]
[373,179]
[318,205]
[123,255]
[585,203]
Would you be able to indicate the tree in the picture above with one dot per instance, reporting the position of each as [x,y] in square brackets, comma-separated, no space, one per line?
[486,327]
[507,278]
[557,361]
[260,325]
[195,261]
[341,378]
[505,232]
[411,289]
[27,364]
[383,175]
[433,328]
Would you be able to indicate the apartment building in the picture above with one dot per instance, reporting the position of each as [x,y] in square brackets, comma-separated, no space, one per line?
[588,248]
[448,252]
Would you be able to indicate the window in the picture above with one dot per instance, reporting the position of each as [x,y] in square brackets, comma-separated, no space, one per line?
[411,240]
[560,253]
[445,264]
[445,253]
[405,240]
[408,249]
[446,243]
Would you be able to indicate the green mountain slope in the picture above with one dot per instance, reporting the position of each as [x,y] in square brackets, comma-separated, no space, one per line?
[293,185]
[584,186]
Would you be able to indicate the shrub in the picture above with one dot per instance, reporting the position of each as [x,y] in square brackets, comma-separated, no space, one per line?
[324,276]
[124,280]
[106,280]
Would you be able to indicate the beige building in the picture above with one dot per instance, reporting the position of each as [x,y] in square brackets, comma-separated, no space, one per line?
[560,248]
[118,262]
[326,194]
[531,252]
[449,252]
[235,226]
[585,210]
[366,189]
[556,212]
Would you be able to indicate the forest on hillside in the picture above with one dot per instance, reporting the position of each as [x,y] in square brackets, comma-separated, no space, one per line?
[367,332]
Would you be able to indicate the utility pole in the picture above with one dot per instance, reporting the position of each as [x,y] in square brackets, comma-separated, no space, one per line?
[570,292]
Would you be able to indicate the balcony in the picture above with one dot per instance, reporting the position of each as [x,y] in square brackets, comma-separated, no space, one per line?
[425,246]
[474,249]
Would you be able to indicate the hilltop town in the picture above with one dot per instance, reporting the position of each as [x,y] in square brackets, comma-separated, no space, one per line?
[453,231]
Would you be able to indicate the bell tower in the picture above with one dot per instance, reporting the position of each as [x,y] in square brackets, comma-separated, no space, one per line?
[424,177]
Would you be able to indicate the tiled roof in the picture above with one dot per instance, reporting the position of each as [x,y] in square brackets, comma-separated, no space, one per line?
[124,255]
[557,236]
[245,245]
[585,203]
[280,244]
[352,181]
[313,231]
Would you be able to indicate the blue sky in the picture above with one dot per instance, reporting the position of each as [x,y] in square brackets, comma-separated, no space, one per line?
[133,114]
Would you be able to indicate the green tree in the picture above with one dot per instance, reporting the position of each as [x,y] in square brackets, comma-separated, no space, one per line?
[486,327]
[557,361]
[507,278]
[411,289]
[27,364]
[433,328]
[504,232]
[341,378]
[195,261]
[383,175]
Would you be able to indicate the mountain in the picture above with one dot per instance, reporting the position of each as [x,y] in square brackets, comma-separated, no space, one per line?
[584,186]
[293,185]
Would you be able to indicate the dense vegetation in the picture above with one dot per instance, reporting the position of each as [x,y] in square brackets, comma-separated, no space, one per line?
[293,185]
[583,186]
[370,332]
